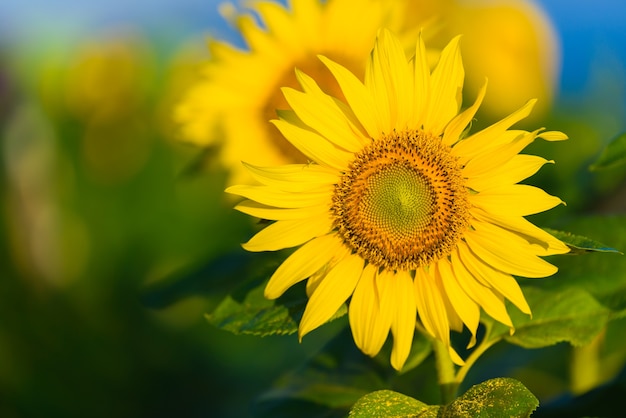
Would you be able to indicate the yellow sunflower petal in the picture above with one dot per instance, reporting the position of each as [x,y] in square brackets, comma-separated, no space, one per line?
[317,277]
[446,88]
[455,321]
[294,177]
[482,295]
[430,306]
[308,17]
[543,243]
[287,234]
[304,262]
[331,293]
[497,252]
[369,327]
[280,23]
[319,111]
[511,144]
[388,79]
[314,146]
[504,283]
[403,324]
[464,306]
[514,200]
[383,282]
[553,136]
[489,137]
[252,208]
[518,168]
[455,128]
[421,79]
[277,198]
[358,97]
[256,39]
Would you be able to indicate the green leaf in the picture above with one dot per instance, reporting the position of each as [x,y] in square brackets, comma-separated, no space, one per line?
[500,397]
[387,403]
[579,244]
[602,275]
[256,315]
[613,155]
[569,315]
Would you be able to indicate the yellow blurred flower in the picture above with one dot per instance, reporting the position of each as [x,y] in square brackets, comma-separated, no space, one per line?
[399,211]
[108,77]
[106,88]
[240,89]
[511,42]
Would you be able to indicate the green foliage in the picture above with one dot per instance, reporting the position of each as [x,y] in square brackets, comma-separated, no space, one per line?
[570,315]
[579,244]
[602,275]
[334,378]
[613,155]
[256,315]
[387,403]
[495,398]
[246,310]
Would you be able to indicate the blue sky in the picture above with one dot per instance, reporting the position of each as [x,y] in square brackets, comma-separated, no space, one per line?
[592,33]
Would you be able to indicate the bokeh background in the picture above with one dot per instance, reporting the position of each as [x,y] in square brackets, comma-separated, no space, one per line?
[108,222]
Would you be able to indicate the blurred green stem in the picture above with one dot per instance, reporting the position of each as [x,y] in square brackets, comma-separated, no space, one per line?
[585,366]
[445,372]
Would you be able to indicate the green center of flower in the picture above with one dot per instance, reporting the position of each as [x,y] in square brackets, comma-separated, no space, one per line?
[398,199]
[403,203]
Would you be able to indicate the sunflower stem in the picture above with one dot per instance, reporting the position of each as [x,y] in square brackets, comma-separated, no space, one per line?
[475,355]
[445,372]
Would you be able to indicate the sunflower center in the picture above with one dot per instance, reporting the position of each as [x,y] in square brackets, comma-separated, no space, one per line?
[402,203]
[398,199]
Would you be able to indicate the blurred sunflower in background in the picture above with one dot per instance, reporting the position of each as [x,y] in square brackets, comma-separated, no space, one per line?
[399,209]
[240,89]
[510,42]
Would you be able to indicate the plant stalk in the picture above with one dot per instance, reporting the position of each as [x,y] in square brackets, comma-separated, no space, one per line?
[446,373]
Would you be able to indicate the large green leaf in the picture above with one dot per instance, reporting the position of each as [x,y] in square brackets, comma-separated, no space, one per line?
[387,403]
[579,244]
[495,398]
[568,315]
[613,155]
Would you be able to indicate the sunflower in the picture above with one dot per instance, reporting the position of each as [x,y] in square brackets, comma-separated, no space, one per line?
[521,61]
[240,89]
[400,210]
